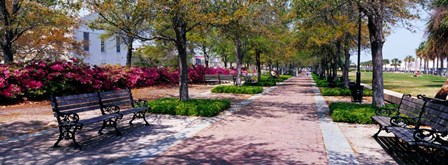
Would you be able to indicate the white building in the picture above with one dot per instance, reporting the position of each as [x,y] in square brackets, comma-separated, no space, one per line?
[99,51]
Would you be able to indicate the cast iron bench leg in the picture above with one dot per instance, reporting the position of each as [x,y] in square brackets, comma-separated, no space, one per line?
[110,123]
[73,138]
[133,117]
[61,136]
[118,133]
[139,115]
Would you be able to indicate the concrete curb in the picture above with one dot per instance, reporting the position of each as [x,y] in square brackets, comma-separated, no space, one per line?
[339,151]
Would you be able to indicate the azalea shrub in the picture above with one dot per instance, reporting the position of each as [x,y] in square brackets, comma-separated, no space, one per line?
[39,79]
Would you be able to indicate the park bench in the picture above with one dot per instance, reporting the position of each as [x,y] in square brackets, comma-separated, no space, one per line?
[223,78]
[122,102]
[211,78]
[75,111]
[405,115]
[431,131]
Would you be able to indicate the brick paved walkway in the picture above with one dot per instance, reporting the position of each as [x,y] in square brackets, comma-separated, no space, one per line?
[280,127]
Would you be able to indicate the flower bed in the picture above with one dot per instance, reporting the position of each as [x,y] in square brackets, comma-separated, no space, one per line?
[41,78]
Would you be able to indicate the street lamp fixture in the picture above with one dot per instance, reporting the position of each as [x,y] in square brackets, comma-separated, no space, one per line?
[356,88]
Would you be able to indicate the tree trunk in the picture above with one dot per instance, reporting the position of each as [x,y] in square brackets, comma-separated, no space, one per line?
[258,63]
[239,58]
[224,59]
[8,56]
[346,66]
[375,25]
[443,92]
[206,59]
[336,60]
[180,28]
[441,66]
[129,53]
[6,38]
[433,67]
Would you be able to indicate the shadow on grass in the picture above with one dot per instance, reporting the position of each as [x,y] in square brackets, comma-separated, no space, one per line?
[433,85]
[404,154]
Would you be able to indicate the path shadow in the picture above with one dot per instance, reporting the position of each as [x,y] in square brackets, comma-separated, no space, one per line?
[272,109]
[97,149]
[404,154]
[16,129]
[209,150]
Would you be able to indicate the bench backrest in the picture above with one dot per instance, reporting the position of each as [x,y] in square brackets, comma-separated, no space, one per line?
[411,107]
[435,115]
[120,98]
[211,77]
[74,103]
[226,77]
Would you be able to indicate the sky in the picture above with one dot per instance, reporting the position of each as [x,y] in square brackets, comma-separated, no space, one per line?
[401,42]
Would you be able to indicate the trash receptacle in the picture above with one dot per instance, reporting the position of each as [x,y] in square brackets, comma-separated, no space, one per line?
[356,92]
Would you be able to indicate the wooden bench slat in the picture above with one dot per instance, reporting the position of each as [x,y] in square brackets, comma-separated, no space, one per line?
[82,109]
[94,105]
[64,102]
[114,92]
[85,95]
[112,95]
[116,102]
[98,119]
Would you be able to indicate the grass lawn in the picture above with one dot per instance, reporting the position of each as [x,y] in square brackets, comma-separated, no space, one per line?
[428,85]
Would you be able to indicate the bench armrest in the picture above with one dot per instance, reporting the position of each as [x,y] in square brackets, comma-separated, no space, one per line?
[402,121]
[111,109]
[431,136]
[386,111]
[141,103]
[65,119]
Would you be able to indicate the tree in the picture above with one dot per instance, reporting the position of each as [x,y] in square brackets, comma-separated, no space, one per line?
[169,21]
[235,19]
[224,50]
[437,27]
[386,62]
[380,15]
[205,39]
[408,62]
[331,27]
[395,62]
[34,29]
[128,20]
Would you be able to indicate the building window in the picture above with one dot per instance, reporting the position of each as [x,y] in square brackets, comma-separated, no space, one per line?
[117,39]
[198,61]
[102,45]
[86,41]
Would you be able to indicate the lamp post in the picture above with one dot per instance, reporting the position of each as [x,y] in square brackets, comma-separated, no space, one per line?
[356,88]
[358,73]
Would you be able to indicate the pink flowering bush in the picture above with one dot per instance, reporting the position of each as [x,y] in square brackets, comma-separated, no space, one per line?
[168,76]
[39,79]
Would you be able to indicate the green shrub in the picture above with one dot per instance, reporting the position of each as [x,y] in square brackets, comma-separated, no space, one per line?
[284,77]
[237,89]
[352,112]
[261,83]
[192,107]
[338,91]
